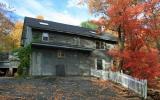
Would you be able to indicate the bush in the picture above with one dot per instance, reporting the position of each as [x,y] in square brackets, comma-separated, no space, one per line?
[24,56]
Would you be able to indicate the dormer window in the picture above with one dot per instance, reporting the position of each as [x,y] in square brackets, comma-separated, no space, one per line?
[45,37]
[43,23]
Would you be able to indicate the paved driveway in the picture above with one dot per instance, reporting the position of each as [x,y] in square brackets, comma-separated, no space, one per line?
[60,88]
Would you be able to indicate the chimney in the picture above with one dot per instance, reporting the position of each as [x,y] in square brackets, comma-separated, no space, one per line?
[101,30]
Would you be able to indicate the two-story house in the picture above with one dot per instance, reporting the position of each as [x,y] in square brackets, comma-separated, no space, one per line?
[60,49]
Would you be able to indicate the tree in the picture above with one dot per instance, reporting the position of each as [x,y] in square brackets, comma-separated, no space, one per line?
[10,32]
[6,26]
[40,17]
[15,35]
[95,25]
[89,24]
[152,15]
[135,27]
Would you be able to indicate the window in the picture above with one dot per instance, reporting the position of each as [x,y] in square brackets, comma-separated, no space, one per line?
[60,54]
[45,37]
[100,64]
[76,40]
[43,23]
[100,45]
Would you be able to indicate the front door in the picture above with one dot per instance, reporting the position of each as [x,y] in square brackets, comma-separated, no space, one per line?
[60,70]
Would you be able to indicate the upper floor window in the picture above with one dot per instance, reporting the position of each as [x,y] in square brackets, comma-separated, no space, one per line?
[76,41]
[45,37]
[100,45]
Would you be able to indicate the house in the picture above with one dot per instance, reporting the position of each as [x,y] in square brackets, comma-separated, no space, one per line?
[61,49]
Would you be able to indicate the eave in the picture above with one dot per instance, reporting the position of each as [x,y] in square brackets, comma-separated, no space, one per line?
[60,46]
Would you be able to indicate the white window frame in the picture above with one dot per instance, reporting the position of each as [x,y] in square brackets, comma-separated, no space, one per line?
[45,35]
[103,64]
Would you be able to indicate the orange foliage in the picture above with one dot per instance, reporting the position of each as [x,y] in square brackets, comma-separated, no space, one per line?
[16,33]
[139,23]
[40,17]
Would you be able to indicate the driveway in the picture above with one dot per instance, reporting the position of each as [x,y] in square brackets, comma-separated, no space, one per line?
[61,88]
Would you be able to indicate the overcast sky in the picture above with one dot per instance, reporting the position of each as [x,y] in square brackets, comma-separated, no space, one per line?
[63,11]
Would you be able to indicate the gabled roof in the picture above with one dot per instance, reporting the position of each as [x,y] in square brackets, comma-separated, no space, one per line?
[69,29]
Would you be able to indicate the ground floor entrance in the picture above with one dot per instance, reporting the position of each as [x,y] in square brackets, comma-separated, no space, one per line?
[60,70]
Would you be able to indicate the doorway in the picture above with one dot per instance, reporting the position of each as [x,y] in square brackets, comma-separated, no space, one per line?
[60,70]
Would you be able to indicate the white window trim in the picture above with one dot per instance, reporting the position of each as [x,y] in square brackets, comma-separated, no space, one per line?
[45,35]
[103,64]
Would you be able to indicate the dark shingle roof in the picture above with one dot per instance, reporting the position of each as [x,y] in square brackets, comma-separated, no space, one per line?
[70,29]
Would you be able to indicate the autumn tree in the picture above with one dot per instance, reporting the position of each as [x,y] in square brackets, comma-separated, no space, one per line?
[6,26]
[10,32]
[40,17]
[135,23]
[152,20]
[5,23]
[15,35]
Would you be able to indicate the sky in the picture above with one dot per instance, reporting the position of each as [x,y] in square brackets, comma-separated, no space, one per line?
[63,11]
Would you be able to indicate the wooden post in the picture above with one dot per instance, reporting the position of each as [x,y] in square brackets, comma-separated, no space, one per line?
[11,71]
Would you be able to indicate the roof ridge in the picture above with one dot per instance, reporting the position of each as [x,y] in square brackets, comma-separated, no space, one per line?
[65,28]
[59,23]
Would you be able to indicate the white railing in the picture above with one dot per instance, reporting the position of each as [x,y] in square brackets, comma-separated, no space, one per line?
[139,86]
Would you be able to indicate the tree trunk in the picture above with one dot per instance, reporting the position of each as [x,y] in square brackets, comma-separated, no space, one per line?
[121,41]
